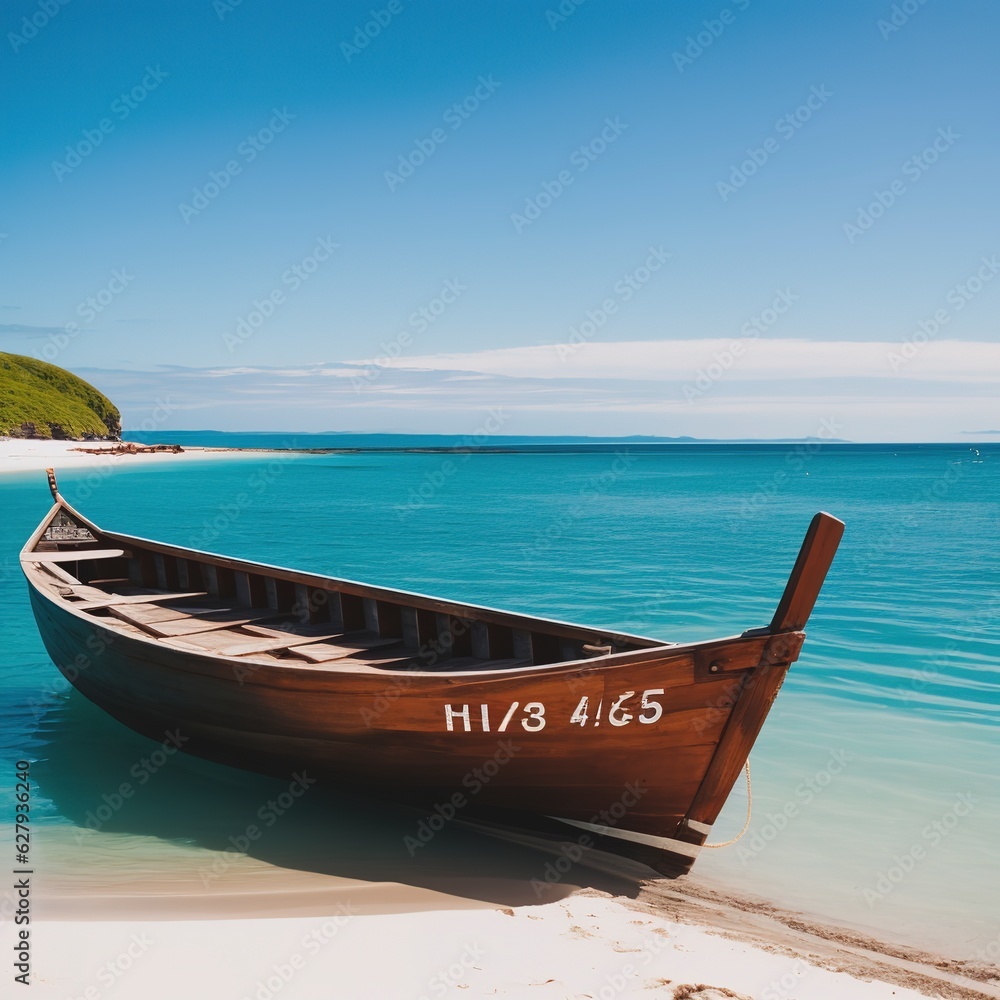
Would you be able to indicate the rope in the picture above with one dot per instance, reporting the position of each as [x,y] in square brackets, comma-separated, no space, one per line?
[746,825]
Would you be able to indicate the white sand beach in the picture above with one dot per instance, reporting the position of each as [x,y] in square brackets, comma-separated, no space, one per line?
[160,924]
[587,945]
[29,455]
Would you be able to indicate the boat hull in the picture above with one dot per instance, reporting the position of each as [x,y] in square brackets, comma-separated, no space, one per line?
[389,736]
[618,742]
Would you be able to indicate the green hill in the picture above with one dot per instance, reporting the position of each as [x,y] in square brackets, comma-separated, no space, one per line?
[42,401]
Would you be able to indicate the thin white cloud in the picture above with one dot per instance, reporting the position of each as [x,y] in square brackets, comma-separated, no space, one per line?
[773,388]
[735,360]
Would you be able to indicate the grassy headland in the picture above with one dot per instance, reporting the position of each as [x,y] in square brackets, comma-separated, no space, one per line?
[39,400]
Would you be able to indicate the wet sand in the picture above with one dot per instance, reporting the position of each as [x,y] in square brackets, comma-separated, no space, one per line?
[606,927]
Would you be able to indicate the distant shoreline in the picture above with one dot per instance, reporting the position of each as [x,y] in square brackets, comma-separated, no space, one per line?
[30,454]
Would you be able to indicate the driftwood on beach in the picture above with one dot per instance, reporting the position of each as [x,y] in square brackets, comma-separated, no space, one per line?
[131,448]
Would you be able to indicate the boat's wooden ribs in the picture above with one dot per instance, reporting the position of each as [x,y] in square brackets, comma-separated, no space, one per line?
[544,648]
[243,594]
[334,610]
[210,578]
[352,611]
[454,638]
[521,639]
[383,618]
[166,572]
[439,639]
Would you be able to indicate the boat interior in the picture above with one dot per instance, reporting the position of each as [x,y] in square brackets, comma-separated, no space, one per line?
[213,605]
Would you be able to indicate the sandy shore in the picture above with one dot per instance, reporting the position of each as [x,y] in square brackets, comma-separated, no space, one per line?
[260,931]
[586,945]
[20,455]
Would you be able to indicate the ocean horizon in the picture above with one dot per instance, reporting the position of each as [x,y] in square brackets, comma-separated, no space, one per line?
[876,786]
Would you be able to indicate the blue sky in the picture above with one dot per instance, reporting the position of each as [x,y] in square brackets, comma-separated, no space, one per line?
[245,211]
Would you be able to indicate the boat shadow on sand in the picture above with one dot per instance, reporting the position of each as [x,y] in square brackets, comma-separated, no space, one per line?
[112,783]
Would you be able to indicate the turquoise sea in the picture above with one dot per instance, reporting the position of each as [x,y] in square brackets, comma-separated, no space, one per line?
[876,781]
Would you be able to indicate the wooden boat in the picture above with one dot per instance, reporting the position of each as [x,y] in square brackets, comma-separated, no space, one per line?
[593,737]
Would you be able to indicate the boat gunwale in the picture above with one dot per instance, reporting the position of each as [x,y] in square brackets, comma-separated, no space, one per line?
[485,674]
[655,649]
[426,602]
[440,604]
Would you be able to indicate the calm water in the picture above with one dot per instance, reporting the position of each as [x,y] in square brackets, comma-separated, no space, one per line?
[876,788]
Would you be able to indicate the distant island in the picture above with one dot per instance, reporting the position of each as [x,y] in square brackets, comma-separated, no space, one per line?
[40,400]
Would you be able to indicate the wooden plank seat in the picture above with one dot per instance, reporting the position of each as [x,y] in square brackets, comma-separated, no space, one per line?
[106,600]
[145,612]
[85,593]
[324,630]
[76,555]
[56,574]
[321,652]
[232,643]
[164,622]
[352,663]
